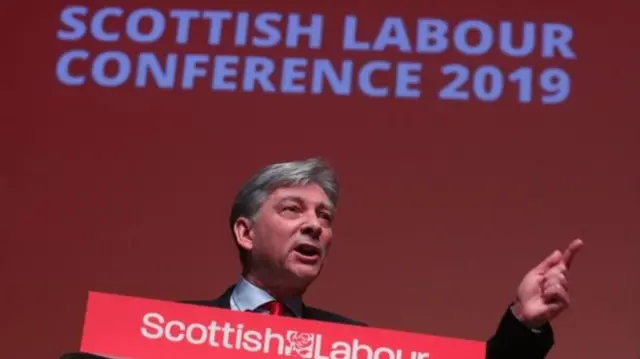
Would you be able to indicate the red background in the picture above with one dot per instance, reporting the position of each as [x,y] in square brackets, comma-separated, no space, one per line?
[445,205]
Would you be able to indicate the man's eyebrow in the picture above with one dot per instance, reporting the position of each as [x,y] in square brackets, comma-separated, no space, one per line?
[321,205]
[290,198]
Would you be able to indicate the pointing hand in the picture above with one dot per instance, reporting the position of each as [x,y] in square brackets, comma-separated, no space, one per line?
[544,291]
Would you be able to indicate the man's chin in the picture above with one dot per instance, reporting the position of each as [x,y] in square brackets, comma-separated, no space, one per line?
[305,271]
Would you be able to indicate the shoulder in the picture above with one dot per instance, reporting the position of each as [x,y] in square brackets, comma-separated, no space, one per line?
[327,316]
[220,302]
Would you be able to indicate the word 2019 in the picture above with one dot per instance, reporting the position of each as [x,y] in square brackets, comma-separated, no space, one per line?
[488,83]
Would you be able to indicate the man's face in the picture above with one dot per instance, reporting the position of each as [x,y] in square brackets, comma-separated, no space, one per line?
[292,234]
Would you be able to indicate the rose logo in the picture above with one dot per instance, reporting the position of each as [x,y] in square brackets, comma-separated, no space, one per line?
[300,344]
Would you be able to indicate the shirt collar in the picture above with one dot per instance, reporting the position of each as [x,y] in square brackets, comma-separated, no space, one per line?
[248,297]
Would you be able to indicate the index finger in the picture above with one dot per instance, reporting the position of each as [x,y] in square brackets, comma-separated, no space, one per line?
[570,253]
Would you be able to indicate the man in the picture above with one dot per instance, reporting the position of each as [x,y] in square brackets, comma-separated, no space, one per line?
[281,221]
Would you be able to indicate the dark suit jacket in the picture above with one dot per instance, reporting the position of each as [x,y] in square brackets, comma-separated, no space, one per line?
[512,340]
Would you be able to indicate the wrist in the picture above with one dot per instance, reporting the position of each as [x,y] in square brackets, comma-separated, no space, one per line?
[518,312]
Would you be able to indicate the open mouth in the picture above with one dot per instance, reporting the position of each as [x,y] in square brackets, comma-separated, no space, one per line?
[308,251]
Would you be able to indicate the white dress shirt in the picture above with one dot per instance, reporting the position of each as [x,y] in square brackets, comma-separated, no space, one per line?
[248,297]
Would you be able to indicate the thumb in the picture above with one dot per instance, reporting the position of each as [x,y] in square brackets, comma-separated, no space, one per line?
[553,259]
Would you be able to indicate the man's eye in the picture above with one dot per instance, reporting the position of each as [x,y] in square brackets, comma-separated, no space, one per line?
[290,208]
[326,216]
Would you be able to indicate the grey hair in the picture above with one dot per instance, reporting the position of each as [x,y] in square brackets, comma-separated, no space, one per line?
[252,195]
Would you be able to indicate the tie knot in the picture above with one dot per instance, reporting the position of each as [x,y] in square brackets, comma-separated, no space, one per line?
[275,308]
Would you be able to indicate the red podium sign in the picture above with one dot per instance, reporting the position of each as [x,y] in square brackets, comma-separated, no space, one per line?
[126,327]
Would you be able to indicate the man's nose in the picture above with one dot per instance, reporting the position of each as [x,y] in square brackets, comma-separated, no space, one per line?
[312,228]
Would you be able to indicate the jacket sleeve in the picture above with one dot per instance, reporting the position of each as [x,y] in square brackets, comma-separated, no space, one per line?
[513,340]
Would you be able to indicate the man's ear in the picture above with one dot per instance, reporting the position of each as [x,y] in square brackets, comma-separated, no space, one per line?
[243,230]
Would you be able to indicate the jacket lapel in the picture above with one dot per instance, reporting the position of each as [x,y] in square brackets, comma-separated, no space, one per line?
[224,301]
